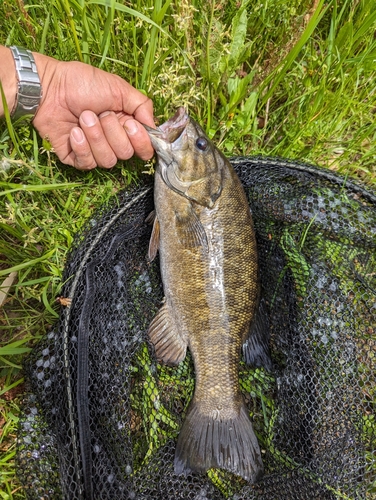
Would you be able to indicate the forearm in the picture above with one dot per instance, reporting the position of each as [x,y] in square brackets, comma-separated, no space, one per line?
[8,79]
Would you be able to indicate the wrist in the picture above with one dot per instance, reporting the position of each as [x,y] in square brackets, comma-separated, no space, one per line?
[29,89]
[45,67]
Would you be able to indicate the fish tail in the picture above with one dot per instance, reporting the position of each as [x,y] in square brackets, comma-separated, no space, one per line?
[209,441]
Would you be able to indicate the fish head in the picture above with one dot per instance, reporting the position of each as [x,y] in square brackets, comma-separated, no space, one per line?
[188,161]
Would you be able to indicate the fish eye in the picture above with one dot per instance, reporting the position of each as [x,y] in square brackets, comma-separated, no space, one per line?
[202,143]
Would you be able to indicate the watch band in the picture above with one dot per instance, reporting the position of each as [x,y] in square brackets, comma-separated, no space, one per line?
[29,92]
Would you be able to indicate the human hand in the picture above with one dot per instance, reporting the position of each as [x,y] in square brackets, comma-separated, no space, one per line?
[89,116]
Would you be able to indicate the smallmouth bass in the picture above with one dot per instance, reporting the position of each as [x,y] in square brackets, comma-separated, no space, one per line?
[208,258]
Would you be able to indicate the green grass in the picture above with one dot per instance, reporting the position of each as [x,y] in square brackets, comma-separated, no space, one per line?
[288,78]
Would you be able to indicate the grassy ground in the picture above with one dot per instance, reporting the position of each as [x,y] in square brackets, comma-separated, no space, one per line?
[288,78]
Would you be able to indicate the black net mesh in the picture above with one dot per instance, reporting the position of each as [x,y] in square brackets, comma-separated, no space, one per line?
[101,417]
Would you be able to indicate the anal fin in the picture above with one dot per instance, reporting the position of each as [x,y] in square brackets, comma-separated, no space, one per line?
[170,346]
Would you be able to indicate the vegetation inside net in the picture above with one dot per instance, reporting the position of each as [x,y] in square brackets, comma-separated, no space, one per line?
[101,417]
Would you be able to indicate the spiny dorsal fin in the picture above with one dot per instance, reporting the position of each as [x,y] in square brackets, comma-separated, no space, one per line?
[154,239]
[170,346]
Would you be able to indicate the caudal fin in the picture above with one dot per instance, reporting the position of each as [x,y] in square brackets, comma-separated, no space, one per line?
[205,442]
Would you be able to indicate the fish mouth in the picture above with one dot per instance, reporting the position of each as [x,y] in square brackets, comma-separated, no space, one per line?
[169,140]
[168,132]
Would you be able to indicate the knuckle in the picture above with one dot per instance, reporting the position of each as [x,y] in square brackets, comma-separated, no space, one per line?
[106,116]
[85,162]
[146,154]
[78,166]
[127,152]
[67,160]
[95,135]
[108,162]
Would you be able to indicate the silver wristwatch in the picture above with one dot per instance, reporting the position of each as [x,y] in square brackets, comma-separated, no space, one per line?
[29,92]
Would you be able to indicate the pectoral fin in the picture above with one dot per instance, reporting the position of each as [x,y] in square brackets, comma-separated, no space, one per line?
[154,239]
[170,346]
[190,231]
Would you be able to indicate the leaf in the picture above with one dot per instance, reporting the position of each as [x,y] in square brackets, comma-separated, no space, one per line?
[237,88]
[217,60]
[135,13]
[106,40]
[47,303]
[345,37]
[367,23]
[14,348]
[35,187]
[245,118]
[67,235]
[29,263]
[249,106]
[239,32]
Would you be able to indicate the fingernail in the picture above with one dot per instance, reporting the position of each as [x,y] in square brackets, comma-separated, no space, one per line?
[77,134]
[131,127]
[89,118]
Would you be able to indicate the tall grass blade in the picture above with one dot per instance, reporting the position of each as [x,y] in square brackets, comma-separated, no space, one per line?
[46,28]
[14,348]
[30,263]
[12,386]
[35,187]
[72,25]
[11,131]
[106,40]
[135,13]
